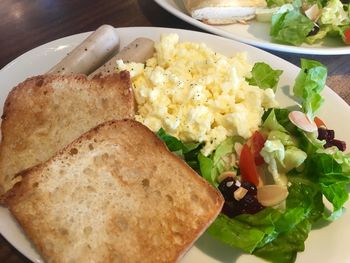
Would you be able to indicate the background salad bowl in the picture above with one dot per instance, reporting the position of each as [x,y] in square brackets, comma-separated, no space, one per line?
[258,33]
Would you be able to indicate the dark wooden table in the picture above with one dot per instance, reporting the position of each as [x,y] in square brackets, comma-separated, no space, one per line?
[26,24]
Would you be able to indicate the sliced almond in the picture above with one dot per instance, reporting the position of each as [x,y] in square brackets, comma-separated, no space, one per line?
[238,148]
[226,174]
[230,159]
[271,195]
[240,193]
[313,13]
[302,121]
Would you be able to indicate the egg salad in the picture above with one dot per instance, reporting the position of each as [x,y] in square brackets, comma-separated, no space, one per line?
[197,94]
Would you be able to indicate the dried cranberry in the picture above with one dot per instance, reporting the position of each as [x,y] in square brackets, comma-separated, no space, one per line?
[322,134]
[250,187]
[341,145]
[314,30]
[250,204]
[247,205]
[231,209]
[330,135]
[327,145]
[227,187]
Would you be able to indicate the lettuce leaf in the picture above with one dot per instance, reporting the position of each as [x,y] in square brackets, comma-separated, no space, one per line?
[321,34]
[186,151]
[284,249]
[264,76]
[246,232]
[206,166]
[290,27]
[304,206]
[212,166]
[332,180]
[309,84]
[334,14]
[271,3]
[271,234]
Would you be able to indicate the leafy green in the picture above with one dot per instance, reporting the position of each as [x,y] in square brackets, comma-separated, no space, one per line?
[282,118]
[284,249]
[271,3]
[293,158]
[264,76]
[290,27]
[303,207]
[206,166]
[274,235]
[246,232]
[329,171]
[273,153]
[308,85]
[332,179]
[186,151]
[334,14]
[321,34]
[284,137]
[211,167]
[272,124]
[175,145]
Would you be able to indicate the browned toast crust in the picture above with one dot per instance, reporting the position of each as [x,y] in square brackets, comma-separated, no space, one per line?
[45,113]
[116,194]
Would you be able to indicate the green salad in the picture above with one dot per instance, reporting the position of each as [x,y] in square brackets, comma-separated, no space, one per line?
[306,21]
[290,174]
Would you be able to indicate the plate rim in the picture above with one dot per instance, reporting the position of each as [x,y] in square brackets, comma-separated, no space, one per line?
[344,50]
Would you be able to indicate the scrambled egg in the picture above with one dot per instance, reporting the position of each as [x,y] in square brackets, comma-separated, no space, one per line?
[196,94]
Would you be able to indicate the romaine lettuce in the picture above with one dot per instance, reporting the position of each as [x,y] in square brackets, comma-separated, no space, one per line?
[264,76]
[309,84]
[334,14]
[290,27]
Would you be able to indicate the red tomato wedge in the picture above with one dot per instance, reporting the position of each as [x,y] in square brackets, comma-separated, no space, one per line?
[247,166]
[319,122]
[257,143]
[347,36]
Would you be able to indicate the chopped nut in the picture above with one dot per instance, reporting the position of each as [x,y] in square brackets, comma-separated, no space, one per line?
[240,193]
[226,174]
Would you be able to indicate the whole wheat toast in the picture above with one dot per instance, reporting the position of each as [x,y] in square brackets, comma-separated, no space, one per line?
[45,113]
[116,194]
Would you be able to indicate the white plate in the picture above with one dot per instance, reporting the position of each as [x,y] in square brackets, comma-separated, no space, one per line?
[256,34]
[327,244]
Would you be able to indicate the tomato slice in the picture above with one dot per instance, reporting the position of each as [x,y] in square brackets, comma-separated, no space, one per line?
[319,122]
[347,36]
[257,143]
[247,166]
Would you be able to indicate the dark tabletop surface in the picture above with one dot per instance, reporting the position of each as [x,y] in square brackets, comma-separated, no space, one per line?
[26,24]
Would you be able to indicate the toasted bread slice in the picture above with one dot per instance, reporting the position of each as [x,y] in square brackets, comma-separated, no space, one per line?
[116,194]
[45,113]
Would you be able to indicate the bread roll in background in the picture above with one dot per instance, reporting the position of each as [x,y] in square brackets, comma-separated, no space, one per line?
[223,11]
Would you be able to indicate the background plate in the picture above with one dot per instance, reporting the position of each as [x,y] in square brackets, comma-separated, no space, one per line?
[325,243]
[256,33]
